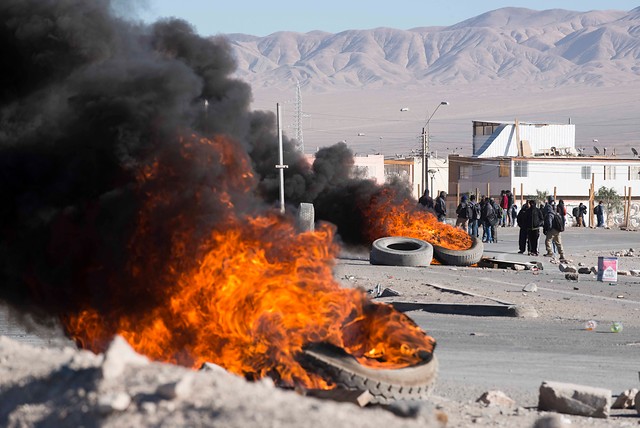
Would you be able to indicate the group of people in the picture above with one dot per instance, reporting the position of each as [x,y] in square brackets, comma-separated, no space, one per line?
[488,213]
[551,218]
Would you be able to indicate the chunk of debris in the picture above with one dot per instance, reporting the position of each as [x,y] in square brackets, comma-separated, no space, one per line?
[634,272]
[584,270]
[496,398]
[623,273]
[626,399]
[530,288]
[388,292]
[119,355]
[113,402]
[179,389]
[574,399]
[571,276]
[566,268]
[553,421]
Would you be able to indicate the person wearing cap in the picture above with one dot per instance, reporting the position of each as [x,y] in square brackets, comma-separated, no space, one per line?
[463,212]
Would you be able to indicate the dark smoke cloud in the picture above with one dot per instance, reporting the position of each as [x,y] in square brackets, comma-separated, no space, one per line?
[87,100]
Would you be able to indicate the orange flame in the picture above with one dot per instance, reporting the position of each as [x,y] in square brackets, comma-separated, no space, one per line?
[250,294]
[390,215]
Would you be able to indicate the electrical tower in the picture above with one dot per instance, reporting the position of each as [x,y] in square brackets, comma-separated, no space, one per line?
[298,120]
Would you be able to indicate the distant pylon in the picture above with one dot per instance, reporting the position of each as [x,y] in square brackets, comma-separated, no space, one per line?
[299,137]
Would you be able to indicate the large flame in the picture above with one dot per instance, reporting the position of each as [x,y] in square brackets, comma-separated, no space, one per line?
[390,215]
[250,293]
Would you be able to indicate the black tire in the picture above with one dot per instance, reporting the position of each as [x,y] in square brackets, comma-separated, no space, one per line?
[401,251]
[386,386]
[459,257]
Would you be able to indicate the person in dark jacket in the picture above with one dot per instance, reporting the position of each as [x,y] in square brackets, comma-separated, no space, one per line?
[463,214]
[475,218]
[523,241]
[499,219]
[582,210]
[533,220]
[552,232]
[426,200]
[489,219]
[599,212]
[440,206]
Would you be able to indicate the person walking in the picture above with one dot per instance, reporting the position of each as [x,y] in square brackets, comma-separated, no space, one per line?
[552,226]
[533,221]
[475,216]
[499,218]
[599,212]
[463,211]
[440,206]
[523,242]
[511,218]
[426,200]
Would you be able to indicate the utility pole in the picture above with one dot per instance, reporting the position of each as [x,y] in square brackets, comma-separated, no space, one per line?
[299,137]
[280,165]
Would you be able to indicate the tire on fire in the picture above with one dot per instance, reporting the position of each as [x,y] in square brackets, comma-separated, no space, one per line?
[386,386]
[460,257]
[401,251]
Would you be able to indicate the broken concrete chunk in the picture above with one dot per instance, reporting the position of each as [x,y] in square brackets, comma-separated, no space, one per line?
[626,400]
[120,354]
[634,272]
[496,398]
[574,399]
[638,403]
[553,421]
[113,402]
[584,270]
[530,288]
[571,276]
[179,389]
[388,292]
[623,272]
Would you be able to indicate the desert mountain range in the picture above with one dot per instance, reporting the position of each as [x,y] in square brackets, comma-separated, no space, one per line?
[552,47]
[548,66]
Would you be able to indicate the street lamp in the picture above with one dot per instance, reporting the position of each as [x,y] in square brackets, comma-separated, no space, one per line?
[433,174]
[425,146]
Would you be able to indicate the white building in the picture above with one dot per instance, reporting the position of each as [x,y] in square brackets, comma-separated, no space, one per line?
[530,157]
[410,170]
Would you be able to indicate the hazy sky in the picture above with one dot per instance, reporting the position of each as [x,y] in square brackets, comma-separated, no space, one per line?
[260,17]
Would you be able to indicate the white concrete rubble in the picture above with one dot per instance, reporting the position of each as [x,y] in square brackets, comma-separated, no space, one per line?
[574,399]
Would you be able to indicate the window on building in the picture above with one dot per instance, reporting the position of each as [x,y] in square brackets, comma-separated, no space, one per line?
[609,172]
[465,172]
[521,169]
[634,173]
[484,128]
[505,168]
[586,173]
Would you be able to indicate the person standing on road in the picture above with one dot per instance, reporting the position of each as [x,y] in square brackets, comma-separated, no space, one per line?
[599,212]
[499,217]
[514,214]
[441,206]
[504,204]
[464,212]
[523,242]
[511,217]
[552,226]
[582,211]
[426,200]
[562,210]
[533,220]
[489,219]
[475,217]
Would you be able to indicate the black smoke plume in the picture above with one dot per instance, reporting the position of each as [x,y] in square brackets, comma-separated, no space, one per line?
[88,102]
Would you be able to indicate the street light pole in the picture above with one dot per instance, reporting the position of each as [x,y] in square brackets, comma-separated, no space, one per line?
[425,147]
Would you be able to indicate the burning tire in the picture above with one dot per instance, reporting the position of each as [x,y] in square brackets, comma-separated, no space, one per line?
[459,257]
[386,386]
[401,251]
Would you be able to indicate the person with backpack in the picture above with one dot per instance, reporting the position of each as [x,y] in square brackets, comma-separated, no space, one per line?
[514,214]
[582,211]
[475,216]
[599,212]
[499,217]
[562,210]
[489,219]
[511,216]
[440,206]
[464,213]
[553,225]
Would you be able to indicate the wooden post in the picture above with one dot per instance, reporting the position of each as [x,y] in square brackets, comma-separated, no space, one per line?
[457,192]
[521,195]
[554,193]
[488,189]
[477,195]
[628,213]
